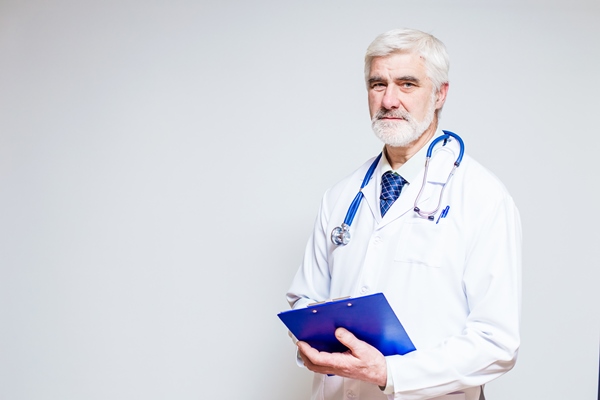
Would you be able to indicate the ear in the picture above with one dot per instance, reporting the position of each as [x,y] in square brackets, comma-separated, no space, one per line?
[441,96]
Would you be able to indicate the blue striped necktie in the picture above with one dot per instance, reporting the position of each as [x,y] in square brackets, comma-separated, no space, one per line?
[391,186]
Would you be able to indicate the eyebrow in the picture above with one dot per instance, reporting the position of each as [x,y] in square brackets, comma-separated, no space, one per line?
[408,78]
[405,78]
[376,79]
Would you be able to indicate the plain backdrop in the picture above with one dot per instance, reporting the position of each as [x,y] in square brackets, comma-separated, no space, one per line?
[162,163]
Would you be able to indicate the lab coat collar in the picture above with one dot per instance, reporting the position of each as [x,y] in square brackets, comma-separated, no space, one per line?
[412,171]
[411,168]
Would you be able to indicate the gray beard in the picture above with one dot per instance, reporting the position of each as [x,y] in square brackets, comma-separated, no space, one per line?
[401,133]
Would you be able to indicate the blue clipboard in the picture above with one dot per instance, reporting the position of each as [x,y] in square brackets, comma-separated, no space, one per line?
[370,318]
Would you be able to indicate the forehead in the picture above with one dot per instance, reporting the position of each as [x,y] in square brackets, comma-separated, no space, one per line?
[398,64]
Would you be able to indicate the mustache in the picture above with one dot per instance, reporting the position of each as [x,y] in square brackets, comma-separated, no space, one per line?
[383,113]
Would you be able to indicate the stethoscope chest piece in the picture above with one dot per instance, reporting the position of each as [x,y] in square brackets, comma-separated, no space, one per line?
[341,235]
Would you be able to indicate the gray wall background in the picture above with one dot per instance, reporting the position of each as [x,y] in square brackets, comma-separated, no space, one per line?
[162,162]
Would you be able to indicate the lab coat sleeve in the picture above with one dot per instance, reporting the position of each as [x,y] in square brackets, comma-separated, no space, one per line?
[312,280]
[488,345]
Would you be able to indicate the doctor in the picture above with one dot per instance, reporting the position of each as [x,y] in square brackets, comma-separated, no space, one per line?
[453,282]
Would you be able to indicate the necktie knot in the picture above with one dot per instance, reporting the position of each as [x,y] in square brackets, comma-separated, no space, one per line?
[391,186]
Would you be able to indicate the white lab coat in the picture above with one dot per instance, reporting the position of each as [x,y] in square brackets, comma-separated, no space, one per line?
[454,284]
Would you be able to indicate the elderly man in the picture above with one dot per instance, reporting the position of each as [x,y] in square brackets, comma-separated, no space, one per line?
[451,274]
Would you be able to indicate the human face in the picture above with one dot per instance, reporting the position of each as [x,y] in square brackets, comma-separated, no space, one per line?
[402,99]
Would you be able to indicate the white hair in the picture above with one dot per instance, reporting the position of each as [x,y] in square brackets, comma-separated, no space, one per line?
[432,51]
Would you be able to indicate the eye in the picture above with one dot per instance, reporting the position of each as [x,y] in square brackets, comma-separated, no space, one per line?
[377,86]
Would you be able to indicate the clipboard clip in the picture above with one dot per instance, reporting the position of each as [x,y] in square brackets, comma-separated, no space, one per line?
[327,301]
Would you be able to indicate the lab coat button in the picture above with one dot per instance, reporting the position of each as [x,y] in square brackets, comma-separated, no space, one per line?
[377,240]
[350,394]
[364,289]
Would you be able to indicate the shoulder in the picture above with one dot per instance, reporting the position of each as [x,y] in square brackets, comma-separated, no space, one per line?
[351,183]
[480,184]
[478,174]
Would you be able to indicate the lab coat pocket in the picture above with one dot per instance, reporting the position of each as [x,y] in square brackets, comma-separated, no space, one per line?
[422,242]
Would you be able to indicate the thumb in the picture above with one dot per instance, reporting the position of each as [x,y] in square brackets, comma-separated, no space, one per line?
[348,339]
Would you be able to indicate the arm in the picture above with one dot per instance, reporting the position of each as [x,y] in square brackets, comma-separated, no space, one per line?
[312,280]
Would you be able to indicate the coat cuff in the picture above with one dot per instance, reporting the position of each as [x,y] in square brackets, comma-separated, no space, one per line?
[389,386]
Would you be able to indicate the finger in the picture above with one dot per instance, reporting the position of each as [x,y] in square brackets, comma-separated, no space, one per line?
[348,339]
[310,363]
[306,349]
[303,356]
[308,353]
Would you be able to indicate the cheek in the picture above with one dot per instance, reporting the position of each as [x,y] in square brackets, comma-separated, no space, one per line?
[421,107]
[374,105]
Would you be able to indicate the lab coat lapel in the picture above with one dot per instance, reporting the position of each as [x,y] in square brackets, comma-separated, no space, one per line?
[440,166]
[404,204]
[371,195]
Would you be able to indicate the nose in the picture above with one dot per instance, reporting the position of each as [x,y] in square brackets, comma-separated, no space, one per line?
[390,100]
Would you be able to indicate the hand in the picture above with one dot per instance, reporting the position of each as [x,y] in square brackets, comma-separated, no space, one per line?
[361,361]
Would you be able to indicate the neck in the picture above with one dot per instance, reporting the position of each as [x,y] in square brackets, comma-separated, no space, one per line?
[397,156]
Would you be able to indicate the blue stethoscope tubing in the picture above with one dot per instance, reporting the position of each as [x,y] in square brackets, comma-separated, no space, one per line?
[341,234]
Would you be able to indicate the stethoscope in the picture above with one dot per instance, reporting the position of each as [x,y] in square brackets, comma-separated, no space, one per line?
[341,234]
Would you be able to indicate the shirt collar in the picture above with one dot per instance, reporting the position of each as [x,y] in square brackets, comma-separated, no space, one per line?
[410,169]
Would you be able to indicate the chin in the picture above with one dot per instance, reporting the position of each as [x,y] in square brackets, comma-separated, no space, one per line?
[396,139]
[397,144]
